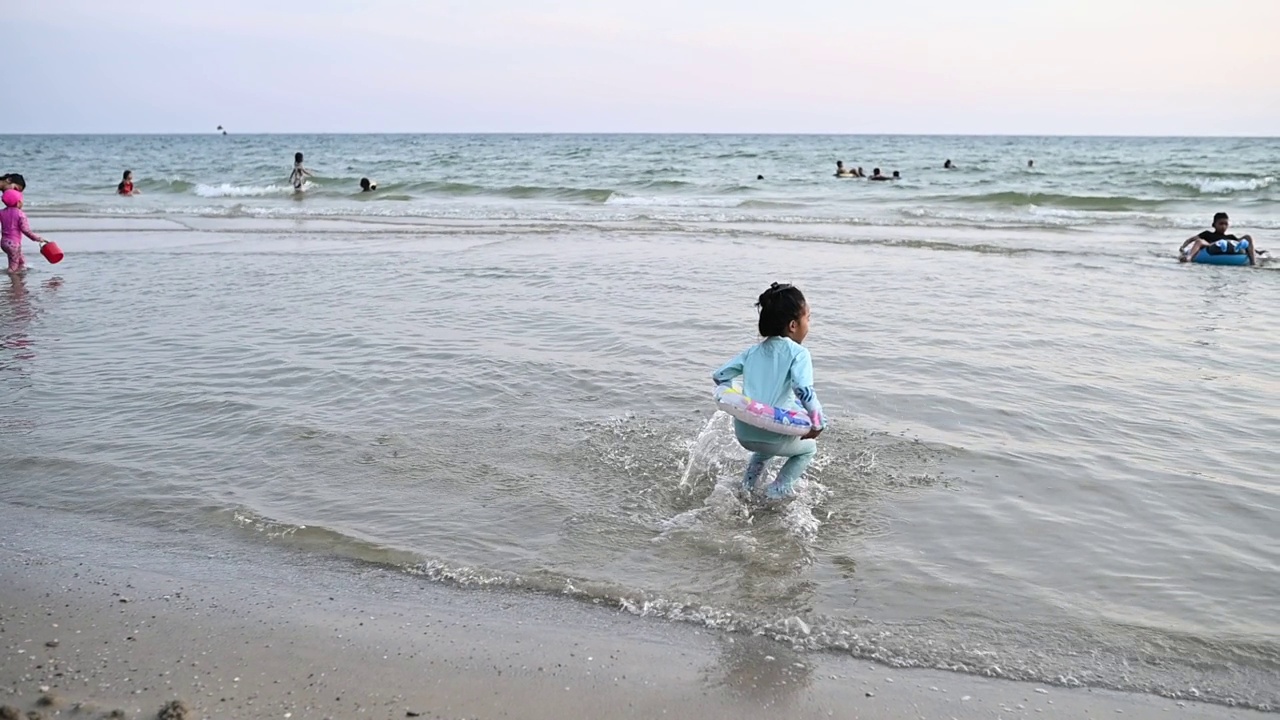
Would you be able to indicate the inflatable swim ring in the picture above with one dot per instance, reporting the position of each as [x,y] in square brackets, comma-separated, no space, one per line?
[760,415]
[1239,258]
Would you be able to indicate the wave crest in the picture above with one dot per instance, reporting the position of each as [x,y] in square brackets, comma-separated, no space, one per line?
[229,190]
[1226,186]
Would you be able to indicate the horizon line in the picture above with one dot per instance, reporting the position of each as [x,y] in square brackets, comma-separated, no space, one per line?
[597,133]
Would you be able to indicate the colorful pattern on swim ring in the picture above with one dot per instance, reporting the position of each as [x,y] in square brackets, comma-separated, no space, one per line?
[761,415]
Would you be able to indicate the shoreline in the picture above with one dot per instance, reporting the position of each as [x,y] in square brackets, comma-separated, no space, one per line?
[132,619]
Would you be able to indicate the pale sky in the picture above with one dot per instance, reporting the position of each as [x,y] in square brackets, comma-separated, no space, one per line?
[1125,67]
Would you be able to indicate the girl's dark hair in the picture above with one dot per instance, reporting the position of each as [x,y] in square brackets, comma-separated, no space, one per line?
[297,157]
[126,175]
[779,305]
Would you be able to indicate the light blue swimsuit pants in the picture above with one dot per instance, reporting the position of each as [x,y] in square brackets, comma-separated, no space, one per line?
[799,453]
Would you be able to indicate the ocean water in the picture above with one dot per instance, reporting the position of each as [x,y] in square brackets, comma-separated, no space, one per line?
[1053,454]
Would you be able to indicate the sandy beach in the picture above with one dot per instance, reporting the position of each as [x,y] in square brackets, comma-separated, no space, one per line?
[97,618]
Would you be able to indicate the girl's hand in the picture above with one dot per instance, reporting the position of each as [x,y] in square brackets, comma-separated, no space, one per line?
[812,434]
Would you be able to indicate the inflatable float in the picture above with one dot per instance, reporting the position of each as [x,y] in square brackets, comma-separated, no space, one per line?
[1228,253]
[1237,258]
[760,415]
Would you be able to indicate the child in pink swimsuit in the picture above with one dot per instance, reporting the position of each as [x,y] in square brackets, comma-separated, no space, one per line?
[13,225]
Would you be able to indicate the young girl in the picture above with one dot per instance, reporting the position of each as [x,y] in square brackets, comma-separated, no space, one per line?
[299,173]
[13,225]
[777,371]
[126,184]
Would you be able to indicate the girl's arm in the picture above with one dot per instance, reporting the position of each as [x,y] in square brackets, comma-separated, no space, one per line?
[802,386]
[731,370]
[26,230]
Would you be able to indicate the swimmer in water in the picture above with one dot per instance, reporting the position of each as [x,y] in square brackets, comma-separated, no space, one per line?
[126,184]
[299,174]
[367,185]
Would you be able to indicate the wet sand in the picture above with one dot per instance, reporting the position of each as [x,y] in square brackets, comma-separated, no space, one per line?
[96,618]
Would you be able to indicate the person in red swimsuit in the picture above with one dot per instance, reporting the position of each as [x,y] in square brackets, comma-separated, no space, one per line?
[126,184]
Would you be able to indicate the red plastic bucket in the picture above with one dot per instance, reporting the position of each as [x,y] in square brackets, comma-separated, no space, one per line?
[51,252]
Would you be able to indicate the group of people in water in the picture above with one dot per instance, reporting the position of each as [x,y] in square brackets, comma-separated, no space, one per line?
[844,172]
[300,173]
[14,224]
[297,178]
[1212,242]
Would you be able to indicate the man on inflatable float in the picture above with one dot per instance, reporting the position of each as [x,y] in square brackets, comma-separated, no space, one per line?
[1216,247]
